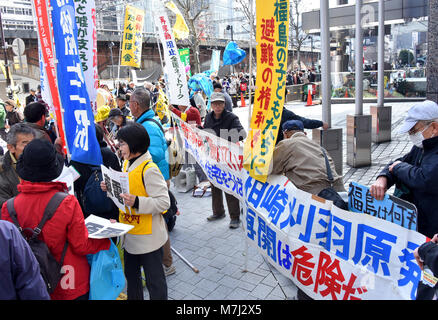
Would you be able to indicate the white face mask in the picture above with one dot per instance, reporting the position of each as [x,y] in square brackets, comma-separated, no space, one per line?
[417,138]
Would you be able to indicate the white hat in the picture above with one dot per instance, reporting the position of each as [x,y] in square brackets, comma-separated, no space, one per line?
[426,110]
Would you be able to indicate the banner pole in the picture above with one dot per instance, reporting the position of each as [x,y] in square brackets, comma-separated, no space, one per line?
[55,63]
[120,48]
[250,64]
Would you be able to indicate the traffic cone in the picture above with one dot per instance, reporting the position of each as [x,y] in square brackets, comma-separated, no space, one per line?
[346,93]
[242,100]
[309,99]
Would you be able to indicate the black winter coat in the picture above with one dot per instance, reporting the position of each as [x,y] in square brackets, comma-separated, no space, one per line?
[110,160]
[289,115]
[228,122]
[418,173]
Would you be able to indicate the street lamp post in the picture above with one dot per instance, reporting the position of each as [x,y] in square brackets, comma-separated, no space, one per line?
[230,27]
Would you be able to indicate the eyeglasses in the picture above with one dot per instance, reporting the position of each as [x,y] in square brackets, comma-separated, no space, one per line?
[427,125]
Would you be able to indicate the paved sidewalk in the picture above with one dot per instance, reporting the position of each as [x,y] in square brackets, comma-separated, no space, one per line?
[218,252]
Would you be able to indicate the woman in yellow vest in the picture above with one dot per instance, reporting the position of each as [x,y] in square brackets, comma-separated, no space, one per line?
[147,200]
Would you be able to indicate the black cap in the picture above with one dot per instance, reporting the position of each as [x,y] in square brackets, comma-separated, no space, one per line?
[115,112]
[40,162]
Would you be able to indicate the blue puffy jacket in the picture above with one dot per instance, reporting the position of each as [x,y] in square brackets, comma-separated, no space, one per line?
[418,173]
[20,276]
[158,146]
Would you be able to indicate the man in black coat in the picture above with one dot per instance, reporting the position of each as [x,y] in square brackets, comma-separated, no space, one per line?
[32,97]
[308,123]
[226,125]
[416,174]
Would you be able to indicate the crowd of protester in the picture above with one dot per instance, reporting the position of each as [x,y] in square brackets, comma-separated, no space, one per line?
[131,132]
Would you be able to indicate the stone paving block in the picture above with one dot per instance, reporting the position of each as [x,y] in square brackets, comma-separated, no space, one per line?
[184,287]
[177,295]
[252,278]
[278,292]
[228,281]
[215,275]
[208,285]
[238,294]
[261,291]
[201,292]
[270,280]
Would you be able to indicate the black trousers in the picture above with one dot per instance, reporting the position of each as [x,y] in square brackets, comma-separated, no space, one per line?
[233,203]
[154,273]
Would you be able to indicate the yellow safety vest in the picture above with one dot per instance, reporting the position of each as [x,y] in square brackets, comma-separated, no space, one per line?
[142,222]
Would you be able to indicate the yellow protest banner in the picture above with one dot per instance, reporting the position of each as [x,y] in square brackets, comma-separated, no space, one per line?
[272,49]
[132,37]
[180,28]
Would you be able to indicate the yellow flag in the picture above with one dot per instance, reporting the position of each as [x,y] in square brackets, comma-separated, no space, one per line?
[180,29]
[272,50]
[162,108]
[132,37]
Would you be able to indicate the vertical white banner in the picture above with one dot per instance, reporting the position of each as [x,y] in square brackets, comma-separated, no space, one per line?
[85,15]
[177,82]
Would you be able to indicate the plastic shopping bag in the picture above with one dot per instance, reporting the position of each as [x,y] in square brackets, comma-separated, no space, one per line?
[107,279]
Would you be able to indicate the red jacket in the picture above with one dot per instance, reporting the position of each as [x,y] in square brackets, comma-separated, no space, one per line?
[67,224]
[193,115]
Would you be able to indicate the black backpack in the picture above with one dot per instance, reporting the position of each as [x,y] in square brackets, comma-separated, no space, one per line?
[50,268]
[170,215]
[94,199]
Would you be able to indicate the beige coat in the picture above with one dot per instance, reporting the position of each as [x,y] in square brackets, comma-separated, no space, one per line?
[302,161]
[156,203]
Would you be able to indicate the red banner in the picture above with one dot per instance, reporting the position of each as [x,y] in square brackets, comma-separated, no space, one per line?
[44,26]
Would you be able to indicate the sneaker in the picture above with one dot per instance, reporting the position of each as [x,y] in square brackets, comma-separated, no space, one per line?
[234,224]
[215,217]
[169,270]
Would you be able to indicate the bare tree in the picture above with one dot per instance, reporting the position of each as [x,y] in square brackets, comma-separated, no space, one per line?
[296,33]
[245,7]
[193,11]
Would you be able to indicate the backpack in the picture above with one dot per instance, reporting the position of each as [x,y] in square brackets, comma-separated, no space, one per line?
[50,268]
[94,199]
[170,215]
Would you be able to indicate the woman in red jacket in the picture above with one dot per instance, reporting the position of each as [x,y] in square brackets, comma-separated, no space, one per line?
[37,167]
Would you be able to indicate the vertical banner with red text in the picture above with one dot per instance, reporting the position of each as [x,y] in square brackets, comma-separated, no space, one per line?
[46,42]
[272,49]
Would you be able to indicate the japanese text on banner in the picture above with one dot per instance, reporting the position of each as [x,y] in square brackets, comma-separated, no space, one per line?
[327,252]
[176,75]
[87,44]
[78,116]
[47,55]
[272,51]
[132,37]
